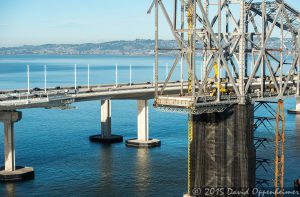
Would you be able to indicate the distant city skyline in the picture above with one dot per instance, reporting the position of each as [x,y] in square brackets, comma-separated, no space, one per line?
[35,22]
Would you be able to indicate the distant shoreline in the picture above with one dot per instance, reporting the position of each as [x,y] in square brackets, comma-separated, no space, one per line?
[65,55]
[138,47]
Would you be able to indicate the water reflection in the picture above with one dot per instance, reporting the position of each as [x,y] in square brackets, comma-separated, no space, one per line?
[297,129]
[106,168]
[142,171]
[292,153]
[10,189]
[296,139]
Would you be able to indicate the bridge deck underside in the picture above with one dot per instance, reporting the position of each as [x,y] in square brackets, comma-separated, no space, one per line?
[210,104]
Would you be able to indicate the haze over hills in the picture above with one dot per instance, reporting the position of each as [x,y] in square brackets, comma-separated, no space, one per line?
[121,47]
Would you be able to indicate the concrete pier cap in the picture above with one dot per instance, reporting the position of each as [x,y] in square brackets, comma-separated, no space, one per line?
[11,172]
[142,144]
[142,141]
[297,110]
[19,174]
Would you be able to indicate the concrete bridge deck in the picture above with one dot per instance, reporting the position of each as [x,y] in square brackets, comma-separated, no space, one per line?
[62,96]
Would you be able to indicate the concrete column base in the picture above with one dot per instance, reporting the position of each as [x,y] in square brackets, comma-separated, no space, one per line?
[106,139]
[293,111]
[21,173]
[143,144]
[186,195]
[297,110]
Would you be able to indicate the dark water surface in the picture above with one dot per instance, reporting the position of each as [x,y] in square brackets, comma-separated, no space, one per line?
[56,143]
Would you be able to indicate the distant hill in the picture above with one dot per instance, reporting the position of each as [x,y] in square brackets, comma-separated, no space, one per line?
[121,47]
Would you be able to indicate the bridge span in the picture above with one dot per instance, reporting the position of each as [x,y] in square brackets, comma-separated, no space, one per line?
[63,96]
[11,101]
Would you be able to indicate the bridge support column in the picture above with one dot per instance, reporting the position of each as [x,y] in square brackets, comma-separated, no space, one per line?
[143,128]
[106,136]
[11,172]
[297,110]
[222,152]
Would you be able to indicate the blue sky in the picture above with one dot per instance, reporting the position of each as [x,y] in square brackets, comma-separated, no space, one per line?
[76,21]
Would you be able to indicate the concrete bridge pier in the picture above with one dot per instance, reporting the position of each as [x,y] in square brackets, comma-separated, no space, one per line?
[143,128]
[11,172]
[297,110]
[106,137]
[222,152]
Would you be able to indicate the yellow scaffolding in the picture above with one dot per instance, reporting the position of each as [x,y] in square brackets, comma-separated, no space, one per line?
[190,16]
[279,149]
[219,85]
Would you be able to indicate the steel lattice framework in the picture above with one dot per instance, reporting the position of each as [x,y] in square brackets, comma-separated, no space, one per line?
[234,42]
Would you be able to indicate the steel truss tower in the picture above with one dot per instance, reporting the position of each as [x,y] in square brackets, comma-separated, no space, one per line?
[231,53]
[235,52]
